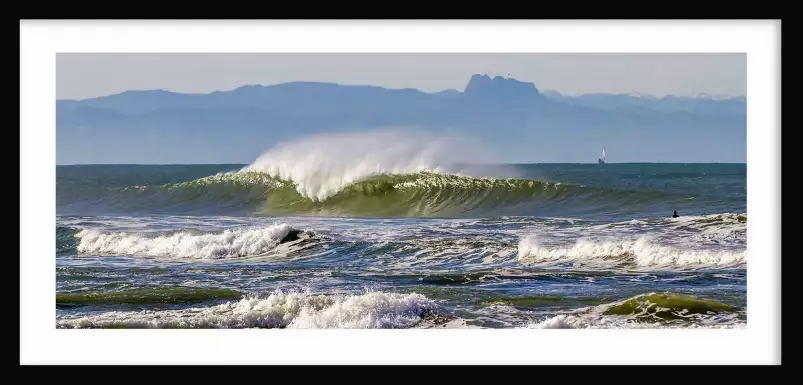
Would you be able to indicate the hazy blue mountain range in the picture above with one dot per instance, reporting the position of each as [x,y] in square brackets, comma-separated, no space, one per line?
[702,104]
[513,118]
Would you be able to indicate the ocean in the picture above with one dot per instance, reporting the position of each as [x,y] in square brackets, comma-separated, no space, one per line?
[277,244]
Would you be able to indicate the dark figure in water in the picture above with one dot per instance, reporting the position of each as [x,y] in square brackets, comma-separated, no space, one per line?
[675,214]
[291,236]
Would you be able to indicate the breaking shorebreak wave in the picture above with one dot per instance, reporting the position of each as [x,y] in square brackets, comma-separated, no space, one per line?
[380,310]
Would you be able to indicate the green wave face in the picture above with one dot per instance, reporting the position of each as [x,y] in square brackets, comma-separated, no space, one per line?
[65,240]
[421,194]
[667,307]
[146,296]
[238,192]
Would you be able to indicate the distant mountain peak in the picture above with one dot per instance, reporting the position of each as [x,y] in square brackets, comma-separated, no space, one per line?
[500,87]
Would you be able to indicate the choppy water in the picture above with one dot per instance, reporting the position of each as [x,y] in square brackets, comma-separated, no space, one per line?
[278,245]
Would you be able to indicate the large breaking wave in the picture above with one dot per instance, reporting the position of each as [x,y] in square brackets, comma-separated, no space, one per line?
[382,174]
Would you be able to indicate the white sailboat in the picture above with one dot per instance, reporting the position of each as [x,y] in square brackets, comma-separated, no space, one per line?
[602,160]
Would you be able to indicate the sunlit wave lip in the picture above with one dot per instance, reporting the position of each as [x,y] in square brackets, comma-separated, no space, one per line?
[322,165]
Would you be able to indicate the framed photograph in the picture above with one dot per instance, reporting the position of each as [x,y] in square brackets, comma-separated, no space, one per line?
[213,192]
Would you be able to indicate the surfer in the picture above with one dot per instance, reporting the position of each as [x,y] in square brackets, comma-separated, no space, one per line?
[291,236]
[675,214]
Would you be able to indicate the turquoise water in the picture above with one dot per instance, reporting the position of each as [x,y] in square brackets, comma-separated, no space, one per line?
[504,246]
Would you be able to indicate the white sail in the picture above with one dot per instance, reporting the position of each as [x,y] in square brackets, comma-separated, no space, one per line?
[603,154]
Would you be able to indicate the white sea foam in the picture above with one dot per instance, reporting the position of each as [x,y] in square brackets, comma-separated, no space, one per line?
[716,227]
[279,310]
[569,321]
[596,321]
[184,244]
[322,165]
[730,218]
[640,251]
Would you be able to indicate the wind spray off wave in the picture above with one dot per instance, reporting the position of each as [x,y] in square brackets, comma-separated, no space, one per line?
[321,166]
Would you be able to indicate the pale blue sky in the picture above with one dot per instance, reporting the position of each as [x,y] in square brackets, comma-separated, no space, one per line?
[80,76]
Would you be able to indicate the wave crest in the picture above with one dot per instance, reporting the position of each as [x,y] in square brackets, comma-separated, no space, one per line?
[185,244]
[321,166]
[641,252]
[373,310]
